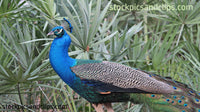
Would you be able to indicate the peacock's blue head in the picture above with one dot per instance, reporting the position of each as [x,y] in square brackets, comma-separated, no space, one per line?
[59,31]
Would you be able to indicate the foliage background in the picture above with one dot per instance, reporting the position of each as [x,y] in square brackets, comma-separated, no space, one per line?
[158,41]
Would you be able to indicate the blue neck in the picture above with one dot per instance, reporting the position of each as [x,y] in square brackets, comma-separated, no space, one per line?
[60,60]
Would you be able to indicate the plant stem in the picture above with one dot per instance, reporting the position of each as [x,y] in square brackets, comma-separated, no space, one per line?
[180,34]
[146,34]
[20,98]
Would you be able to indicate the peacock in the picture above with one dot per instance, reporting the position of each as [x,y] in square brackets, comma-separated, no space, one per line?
[103,82]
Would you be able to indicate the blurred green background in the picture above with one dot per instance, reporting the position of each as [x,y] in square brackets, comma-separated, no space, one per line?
[164,42]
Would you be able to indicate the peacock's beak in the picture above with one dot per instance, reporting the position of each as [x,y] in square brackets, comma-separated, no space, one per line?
[50,33]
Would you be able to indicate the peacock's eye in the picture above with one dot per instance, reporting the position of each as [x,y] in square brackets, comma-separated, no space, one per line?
[58,31]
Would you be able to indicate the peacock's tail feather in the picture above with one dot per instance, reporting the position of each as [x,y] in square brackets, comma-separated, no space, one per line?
[166,102]
[184,99]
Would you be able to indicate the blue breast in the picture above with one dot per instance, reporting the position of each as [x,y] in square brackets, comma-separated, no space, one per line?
[60,60]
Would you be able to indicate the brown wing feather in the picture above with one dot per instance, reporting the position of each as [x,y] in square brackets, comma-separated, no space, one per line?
[121,76]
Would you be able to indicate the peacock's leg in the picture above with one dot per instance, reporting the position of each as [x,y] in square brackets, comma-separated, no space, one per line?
[98,107]
[108,107]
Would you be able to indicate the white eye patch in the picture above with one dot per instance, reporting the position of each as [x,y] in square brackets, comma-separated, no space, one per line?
[60,30]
